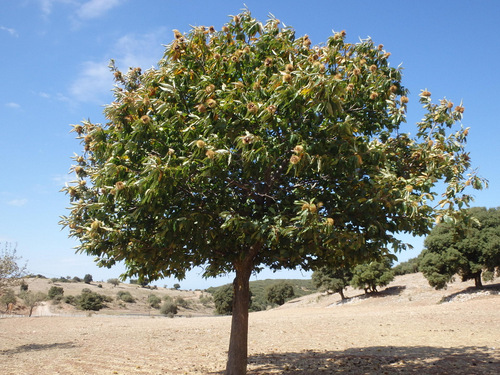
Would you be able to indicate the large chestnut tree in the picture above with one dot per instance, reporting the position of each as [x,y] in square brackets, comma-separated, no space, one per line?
[248,147]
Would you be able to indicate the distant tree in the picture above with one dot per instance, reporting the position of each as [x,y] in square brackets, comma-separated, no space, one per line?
[177,286]
[24,286]
[8,297]
[248,148]
[55,292]
[404,268]
[114,282]
[125,297]
[332,280]
[87,279]
[169,308]
[76,279]
[279,293]
[466,248]
[223,299]
[371,275]
[11,271]
[154,301]
[89,300]
[32,300]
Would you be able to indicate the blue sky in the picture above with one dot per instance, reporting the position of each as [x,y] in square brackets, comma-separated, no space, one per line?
[53,73]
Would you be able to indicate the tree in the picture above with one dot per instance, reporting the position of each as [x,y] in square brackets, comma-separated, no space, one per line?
[32,299]
[466,248]
[177,286]
[332,280]
[87,279]
[7,298]
[10,271]
[56,292]
[410,266]
[371,275]
[279,293]
[223,300]
[248,148]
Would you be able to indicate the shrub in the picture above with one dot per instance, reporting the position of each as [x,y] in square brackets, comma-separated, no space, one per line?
[404,268]
[114,282]
[8,297]
[177,286]
[206,300]
[76,279]
[154,301]
[23,287]
[89,300]
[279,293]
[125,297]
[370,276]
[87,279]
[179,301]
[70,300]
[55,292]
[169,309]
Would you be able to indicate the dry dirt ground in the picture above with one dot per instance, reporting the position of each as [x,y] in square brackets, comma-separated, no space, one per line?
[404,330]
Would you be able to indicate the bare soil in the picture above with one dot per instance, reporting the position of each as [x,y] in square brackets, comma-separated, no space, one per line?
[407,328]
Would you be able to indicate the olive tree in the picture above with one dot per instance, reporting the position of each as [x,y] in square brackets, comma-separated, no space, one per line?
[248,147]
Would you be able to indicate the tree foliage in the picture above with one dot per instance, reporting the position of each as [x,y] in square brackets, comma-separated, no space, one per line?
[369,276]
[332,280]
[248,148]
[410,266]
[279,293]
[11,271]
[466,248]
[32,299]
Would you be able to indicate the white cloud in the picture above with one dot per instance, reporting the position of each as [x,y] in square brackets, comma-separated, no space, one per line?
[13,105]
[95,81]
[17,202]
[12,32]
[96,8]
[47,5]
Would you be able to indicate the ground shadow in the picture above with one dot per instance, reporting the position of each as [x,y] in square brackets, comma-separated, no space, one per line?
[379,360]
[391,291]
[490,289]
[38,347]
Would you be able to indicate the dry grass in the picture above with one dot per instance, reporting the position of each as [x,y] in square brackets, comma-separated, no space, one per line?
[405,330]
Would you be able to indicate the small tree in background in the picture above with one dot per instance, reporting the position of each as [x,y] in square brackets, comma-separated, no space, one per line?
[332,280]
[8,297]
[169,309]
[279,293]
[371,275]
[11,271]
[55,292]
[154,301]
[32,300]
[223,300]
[466,248]
[87,279]
[177,286]
[410,266]
[248,148]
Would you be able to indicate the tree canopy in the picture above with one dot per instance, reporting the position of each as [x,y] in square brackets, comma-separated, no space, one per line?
[11,272]
[466,248]
[248,147]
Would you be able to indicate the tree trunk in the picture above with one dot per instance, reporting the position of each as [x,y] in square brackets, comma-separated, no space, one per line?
[341,292]
[238,342]
[477,279]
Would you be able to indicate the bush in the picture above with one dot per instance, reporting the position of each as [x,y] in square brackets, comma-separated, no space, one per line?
[223,299]
[89,300]
[279,293]
[87,279]
[70,300]
[114,282]
[7,298]
[177,286]
[125,297]
[404,268]
[206,300]
[23,287]
[76,279]
[169,309]
[179,301]
[56,292]
[370,276]
[154,301]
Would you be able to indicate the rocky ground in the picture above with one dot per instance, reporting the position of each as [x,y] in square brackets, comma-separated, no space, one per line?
[408,328]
